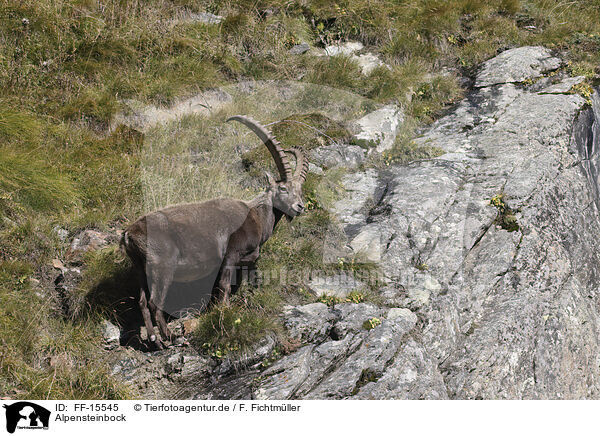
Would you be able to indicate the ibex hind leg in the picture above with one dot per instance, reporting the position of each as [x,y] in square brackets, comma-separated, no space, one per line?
[159,286]
[147,318]
[161,321]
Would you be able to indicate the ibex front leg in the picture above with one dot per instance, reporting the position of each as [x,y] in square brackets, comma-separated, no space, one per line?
[222,290]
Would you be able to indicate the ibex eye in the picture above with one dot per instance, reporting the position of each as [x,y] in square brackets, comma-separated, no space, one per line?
[283,189]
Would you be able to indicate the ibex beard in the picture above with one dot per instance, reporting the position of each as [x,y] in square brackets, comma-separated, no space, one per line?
[208,240]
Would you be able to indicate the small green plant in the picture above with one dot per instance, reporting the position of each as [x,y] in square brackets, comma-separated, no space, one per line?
[506,216]
[581,69]
[330,300]
[585,90]
[371,323]
[367,144]
[219,351]
[529,81]
[273,357]
[355,297]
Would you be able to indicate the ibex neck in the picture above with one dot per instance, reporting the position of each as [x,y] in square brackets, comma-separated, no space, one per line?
[268,217]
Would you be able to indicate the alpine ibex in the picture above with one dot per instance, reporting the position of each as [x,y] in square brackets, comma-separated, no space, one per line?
[187,242]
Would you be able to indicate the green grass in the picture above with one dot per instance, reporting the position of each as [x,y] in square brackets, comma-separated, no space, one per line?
[336,71]
[30,184]
[304,131]
[355,297]
[310,131]
[66,66]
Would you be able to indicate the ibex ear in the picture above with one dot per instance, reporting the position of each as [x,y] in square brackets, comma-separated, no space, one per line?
[270,179]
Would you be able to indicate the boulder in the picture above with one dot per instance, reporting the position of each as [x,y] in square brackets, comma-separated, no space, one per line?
[299,49]
[517,65]
[338,155]
[111,334]
[87,240]
[367,61]
[343,48]
[379,128]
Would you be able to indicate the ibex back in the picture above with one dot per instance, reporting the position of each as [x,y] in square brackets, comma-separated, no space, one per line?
[188,242]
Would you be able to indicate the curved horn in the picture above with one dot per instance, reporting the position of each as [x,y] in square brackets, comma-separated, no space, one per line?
[301,164]
[272,144]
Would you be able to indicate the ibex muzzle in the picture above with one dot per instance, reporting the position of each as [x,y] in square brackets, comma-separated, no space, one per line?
[207,240]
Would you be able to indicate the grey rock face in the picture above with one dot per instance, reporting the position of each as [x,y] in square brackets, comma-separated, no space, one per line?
[506,314]
[361,241]
[310,322]
[488,310]
[586,139]
[361,188]
[347,361]
[564,86]
[192,365]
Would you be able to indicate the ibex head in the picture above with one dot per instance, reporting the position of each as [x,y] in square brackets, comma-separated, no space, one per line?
[286,193]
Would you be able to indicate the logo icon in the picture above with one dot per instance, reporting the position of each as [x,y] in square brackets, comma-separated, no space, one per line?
[26,415]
